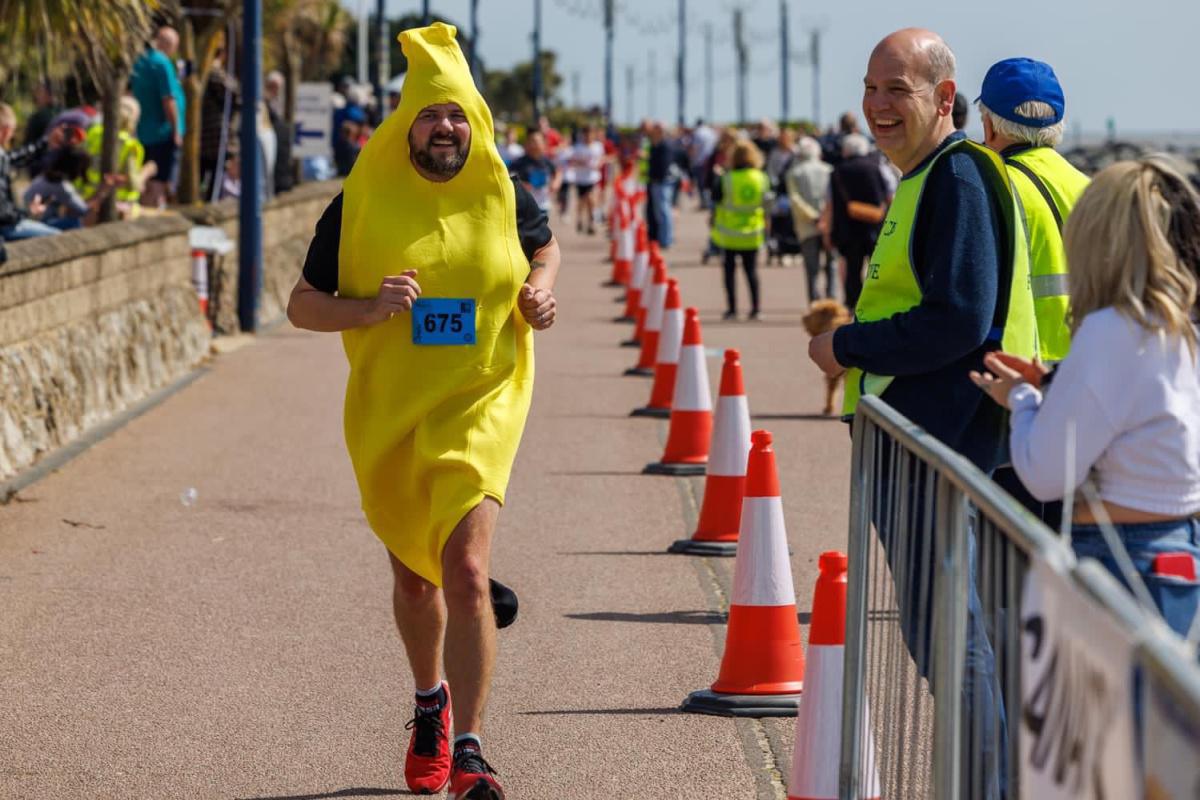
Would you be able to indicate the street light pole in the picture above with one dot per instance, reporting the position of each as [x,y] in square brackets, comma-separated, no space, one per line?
[681,66]
[425,18]
[785,60]
[474,59]
[249,202]
[363,46]
[708,72]
[608,60]
[537,60]
[383,57]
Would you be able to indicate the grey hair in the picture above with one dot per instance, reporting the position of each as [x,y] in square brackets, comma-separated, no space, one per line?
[808,149]
[1049,136]
[942,64]
[855,144]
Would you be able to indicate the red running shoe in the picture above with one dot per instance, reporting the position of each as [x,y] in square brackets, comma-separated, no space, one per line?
[471,778]
[427,766]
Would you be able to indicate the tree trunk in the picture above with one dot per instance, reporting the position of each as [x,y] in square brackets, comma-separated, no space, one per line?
[110,107]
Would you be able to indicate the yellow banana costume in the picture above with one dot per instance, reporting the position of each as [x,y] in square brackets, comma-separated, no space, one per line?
[432,430]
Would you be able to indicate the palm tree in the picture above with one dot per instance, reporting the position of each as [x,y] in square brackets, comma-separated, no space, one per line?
[305,39]
[101,36]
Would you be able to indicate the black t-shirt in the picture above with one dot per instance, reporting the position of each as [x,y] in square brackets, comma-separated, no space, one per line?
[321,263]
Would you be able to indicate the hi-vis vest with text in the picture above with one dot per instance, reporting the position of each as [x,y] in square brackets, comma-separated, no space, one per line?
[891,285]
[1048,187]
[129,148]
[739,223]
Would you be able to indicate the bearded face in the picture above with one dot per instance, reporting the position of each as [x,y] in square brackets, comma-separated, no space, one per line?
[439,140]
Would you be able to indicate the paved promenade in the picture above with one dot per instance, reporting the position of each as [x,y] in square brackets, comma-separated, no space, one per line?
[236,641]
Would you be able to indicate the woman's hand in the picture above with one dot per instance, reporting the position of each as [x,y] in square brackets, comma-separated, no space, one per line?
[1032,371]
[537,306]
[1001,378]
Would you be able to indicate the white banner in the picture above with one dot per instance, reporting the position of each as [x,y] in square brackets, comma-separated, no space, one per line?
[1172,743]
[1077,729]
[314,119]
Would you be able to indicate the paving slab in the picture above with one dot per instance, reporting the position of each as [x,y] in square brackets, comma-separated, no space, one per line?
[195,608]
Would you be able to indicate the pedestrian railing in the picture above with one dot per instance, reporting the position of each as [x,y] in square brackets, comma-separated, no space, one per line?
[981,660]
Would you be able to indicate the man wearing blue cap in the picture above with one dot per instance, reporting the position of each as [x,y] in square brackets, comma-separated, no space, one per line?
[1022,105]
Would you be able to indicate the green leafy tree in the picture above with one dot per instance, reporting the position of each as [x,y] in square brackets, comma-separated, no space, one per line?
[510,91]
[100,37]
[306,40]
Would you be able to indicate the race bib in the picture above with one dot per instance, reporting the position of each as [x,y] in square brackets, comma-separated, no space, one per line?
[441,320]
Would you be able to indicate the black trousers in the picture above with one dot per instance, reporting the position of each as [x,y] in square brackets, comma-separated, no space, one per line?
[855,253]
[750,266]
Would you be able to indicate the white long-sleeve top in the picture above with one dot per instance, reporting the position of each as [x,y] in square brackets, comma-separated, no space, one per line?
[1133,399]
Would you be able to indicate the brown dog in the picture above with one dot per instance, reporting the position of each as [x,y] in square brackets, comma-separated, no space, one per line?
[824,316]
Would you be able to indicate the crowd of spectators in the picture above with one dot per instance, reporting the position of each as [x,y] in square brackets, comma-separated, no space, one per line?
[50,178]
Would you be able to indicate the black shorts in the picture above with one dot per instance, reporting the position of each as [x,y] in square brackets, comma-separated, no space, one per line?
[583,189]
[164,156]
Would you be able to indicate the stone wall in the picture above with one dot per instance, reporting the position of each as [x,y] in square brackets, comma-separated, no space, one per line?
[93,321]
[288,222]
[90,323]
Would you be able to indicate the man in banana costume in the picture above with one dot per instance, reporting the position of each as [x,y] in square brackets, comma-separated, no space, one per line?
[436,266]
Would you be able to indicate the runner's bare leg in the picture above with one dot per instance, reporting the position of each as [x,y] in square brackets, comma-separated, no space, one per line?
[421,620]
[471,628]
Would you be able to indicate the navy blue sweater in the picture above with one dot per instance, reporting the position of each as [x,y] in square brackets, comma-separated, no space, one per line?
[961,260]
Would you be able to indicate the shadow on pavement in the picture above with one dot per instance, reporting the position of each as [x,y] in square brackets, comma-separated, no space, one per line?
[354,791]
[649,712]
[662,552]
[802,417]
[595,473]
[670,617]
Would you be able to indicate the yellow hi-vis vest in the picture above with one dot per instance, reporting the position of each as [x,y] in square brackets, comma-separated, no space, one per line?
[1048,187]
[130,149]
[739,223]
[891,286]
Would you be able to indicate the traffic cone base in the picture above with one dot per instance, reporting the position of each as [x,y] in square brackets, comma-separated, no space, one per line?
[717,704]
[699,547]
[641,372]
[631,343]
[676,469]
[651,411]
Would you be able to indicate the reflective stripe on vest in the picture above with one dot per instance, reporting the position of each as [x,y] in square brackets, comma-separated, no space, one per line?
[1047,187]
[739,222]
[891,285]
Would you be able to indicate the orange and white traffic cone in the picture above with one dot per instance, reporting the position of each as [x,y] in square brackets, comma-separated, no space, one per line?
[686,452]
[721,511]
[633,290]
[643,301]
[666,362]
[762,670]
[819,720]
[623,263]
[655,301]
[200,279]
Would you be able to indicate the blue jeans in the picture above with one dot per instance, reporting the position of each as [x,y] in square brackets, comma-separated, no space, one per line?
[1176,598]
[27,229]
[662,198]
[910,554]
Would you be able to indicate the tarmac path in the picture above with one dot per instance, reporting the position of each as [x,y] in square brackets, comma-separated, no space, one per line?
[240,644]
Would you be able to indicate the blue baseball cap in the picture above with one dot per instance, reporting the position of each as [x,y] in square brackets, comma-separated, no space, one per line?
[1014,81]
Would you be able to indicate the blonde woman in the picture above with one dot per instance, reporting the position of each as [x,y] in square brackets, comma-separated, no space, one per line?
[739,224]
[1126,399]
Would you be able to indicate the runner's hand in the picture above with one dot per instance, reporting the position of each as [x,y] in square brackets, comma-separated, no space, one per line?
[396,294]
[537,306]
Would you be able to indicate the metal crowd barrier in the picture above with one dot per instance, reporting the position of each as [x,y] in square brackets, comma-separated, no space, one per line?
[932,700]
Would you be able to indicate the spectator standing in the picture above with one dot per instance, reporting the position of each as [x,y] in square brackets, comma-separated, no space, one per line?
[284,173]
[348,139]
[155,84]
[661,170]
[46,109]
[218,104]
[739,226]
[536,171]
[858,200]
[780,158]
[553,138]
[831,143]
[948,283]
[704,144]
[15,222]
[1025,133]
[962,111]
[807,186]
[1123,412]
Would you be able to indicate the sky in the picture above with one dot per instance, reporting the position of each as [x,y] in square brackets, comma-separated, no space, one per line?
[1131,62]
